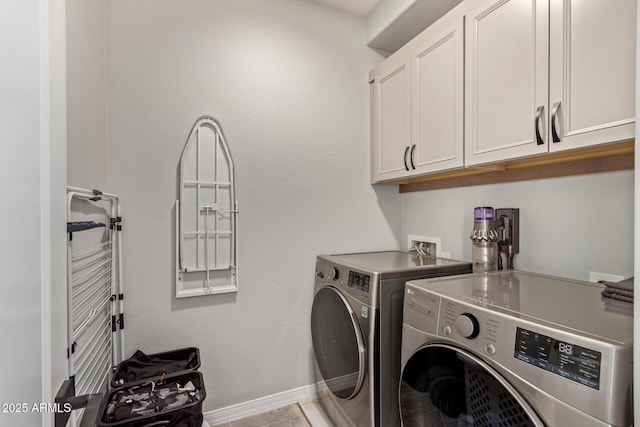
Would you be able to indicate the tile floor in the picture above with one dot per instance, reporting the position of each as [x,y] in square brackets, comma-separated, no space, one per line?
[289,416]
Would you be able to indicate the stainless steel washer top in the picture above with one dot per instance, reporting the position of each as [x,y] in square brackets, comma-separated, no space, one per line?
[361,274]
[391,264]
[563,304]
[564,349]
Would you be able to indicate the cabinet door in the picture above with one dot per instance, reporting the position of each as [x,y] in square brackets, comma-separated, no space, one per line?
[592,72]
[390,120]
[438,101]
[506,77]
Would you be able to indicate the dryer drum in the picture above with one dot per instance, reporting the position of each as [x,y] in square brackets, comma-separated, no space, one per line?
[441,386]
[337,343]
[489,404]
[448,395]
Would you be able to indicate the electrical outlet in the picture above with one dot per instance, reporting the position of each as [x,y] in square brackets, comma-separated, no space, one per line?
[432,244]
[596,277]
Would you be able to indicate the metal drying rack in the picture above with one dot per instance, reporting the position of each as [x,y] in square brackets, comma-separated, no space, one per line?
[95,315]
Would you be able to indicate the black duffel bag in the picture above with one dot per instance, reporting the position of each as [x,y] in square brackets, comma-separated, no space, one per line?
[141,365]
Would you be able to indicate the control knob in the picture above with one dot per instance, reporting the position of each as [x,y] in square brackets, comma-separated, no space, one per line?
[467,325]
[334,273]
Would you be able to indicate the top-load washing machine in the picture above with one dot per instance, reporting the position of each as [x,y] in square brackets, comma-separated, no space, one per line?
[515,349]
[356,327]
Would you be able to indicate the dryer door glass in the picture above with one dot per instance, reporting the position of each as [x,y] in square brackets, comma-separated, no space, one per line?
[445,386]
[337,343]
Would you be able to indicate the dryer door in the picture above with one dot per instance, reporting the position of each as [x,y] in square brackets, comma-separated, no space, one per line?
[337,343]
[443,385]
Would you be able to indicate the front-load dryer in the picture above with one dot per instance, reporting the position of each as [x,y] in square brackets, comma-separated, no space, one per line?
[515,349]
[356,328]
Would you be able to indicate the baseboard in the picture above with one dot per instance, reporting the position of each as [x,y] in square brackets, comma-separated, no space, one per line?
[260,405]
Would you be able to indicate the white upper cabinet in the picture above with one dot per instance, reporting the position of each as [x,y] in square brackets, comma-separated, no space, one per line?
[506,76]
[417,107]
[548,75]
[498,80]
[437,65]
[390,119]
[592,72]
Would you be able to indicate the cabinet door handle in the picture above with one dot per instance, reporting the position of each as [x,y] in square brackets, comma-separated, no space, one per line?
[406,166]
[413,149]
[539,113]
[554,117]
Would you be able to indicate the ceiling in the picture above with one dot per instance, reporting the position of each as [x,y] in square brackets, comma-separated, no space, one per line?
[358,7]
[390,24]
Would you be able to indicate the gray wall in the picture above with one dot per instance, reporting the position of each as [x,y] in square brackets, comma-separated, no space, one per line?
[19,113]
[636,320]
[288,82]
[87,95]
[32,175]
[568,226]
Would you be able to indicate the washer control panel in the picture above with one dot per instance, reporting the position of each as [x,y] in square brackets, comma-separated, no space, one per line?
[474,328]
[359,281]
[507,341]
[359,284]
[467,324]
[577,363]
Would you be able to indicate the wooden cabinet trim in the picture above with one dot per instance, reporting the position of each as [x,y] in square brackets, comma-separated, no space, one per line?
[597,159]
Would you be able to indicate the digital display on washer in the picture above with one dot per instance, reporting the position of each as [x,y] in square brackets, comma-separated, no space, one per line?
[571,361]
[359,281]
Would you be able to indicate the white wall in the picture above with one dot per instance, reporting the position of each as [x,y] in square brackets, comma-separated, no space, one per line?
[20,252]
[32,168]
[87,103]
[636,319]
[288,81]
[568,226]
[53,168]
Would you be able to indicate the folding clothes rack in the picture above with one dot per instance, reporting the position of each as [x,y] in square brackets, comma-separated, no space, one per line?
[95,316]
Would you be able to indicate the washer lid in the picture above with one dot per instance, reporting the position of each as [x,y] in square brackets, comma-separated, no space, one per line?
[566,303]
[391,264]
